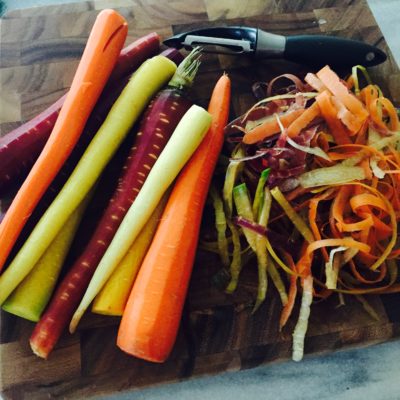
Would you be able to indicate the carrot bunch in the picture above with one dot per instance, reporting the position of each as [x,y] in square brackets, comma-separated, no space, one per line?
[332,153]
[312,189]
[171,129]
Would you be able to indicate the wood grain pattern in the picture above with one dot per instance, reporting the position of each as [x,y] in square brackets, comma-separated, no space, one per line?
[39,52]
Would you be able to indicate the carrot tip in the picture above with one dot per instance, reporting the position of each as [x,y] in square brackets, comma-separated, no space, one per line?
[38,351]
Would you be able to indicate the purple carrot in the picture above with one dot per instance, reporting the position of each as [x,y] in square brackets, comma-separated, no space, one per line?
[156,127]
[20,148]
[173,54]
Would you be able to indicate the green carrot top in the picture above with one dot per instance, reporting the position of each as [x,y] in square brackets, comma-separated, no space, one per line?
[186,71]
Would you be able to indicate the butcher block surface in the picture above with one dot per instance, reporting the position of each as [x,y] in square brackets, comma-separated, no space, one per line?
[39,52]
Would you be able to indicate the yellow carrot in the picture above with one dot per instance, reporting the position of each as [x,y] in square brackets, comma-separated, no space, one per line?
[114,295]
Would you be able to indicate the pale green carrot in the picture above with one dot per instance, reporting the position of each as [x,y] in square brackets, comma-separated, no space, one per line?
[259,195]
[233,171]
[236,263]
[261,249]
[277,280]
[297,221]
[30,298]
[220,225]
[244,209]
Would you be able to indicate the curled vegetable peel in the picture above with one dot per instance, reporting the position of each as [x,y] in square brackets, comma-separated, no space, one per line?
[332,149]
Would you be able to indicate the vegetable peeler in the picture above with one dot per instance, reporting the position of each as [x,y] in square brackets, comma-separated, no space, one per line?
[314,50]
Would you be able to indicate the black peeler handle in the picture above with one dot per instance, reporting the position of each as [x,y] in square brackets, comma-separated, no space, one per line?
[311,50]
[319,50]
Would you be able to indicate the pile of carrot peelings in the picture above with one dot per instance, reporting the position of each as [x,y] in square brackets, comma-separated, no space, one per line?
[312,191]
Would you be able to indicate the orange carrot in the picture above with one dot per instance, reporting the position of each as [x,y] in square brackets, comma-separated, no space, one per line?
[271,126]
[156,301]
[346,241]
[288,308]
[339,89]
[312,216]
[350,120]
[329,112]
[359,277]
[351,110]
[391,111]
[315,82]
[336,220]
[303,120]
[101,53]
[368,95]
[361,200]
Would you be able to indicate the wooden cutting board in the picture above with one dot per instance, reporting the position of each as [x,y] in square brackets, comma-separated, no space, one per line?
[40,48]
